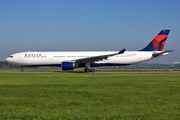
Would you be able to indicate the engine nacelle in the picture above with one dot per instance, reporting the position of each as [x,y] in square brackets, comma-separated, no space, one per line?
[67,65]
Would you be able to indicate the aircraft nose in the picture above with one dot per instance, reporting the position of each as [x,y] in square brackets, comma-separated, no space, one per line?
[7,60]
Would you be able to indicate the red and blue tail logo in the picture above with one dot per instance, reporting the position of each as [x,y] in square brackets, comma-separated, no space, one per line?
[157,44]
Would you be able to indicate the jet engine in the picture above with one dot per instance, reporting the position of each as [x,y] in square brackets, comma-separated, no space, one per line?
[68,65]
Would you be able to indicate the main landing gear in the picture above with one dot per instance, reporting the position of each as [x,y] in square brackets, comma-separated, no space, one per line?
[89,70]
[21,69]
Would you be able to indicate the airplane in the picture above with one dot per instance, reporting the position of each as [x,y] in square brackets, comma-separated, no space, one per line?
[71,60]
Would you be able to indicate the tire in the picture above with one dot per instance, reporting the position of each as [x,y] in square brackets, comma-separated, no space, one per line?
[92,70]
[86,70]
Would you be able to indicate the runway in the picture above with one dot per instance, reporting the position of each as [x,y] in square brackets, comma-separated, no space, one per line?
[80,70]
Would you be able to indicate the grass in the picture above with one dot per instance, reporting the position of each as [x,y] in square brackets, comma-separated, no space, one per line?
[46,96]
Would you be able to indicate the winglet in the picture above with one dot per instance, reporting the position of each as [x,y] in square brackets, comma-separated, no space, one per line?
[122,51]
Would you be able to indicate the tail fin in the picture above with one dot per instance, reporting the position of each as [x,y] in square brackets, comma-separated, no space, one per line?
[158,42]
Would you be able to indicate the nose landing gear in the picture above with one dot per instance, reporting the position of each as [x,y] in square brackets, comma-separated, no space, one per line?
[21,69]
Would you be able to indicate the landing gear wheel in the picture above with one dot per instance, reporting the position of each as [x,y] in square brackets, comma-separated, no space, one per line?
[86,70]
[89,70]
[22,70]
[92,70]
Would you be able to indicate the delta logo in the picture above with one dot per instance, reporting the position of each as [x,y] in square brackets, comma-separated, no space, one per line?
[32,55]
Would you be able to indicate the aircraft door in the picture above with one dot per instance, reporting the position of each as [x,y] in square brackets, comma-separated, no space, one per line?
[51,57]
[139,56]
[19,57]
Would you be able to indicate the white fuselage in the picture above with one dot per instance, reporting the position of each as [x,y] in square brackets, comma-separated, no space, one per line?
[56,58]
[71,60]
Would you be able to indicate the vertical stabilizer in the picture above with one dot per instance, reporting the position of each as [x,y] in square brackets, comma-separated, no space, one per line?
[157,44]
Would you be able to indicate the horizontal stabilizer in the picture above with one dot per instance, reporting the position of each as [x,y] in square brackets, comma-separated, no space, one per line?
[161,53]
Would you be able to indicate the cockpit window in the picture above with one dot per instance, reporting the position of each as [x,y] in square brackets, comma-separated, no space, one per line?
[10,56]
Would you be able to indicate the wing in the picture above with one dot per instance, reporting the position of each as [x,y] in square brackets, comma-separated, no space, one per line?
[161,53]
[97,58]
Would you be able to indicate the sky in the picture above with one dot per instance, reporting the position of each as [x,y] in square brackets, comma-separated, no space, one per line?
[88,25]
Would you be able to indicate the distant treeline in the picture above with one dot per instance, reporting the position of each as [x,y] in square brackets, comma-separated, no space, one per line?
[4,64]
